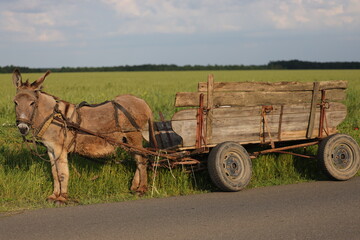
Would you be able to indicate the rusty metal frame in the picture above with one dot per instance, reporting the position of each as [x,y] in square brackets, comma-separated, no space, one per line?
[323,106]
[265,110]
[296,154]
[280,122]
[281,149]
[200,139]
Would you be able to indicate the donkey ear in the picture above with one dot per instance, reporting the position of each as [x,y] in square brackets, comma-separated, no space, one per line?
[37,83]
[17,79]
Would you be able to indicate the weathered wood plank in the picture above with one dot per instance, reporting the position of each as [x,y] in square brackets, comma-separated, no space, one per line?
[243,124]
[210,107]
[187,99]
[236,112]
[312,109]
[272,86]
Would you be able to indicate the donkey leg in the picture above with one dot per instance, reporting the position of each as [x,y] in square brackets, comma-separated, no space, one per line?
[135,181]
[139,183]
[56,191]
[63,176]
[141,168]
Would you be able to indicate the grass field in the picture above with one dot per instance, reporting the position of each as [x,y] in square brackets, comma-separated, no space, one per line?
[25,180]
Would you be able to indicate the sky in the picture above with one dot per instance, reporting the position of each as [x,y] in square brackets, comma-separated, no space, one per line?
[93,33]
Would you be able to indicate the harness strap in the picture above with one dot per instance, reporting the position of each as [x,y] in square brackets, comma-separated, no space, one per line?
[47,123]
[78,122]
[127,114]
[116,116]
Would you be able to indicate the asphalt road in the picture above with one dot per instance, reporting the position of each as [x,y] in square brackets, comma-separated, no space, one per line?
[319,210]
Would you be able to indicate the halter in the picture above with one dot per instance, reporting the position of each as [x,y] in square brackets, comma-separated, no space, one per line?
[39,132]
[31,120]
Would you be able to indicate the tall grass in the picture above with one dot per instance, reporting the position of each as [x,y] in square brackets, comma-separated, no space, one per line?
[25,180]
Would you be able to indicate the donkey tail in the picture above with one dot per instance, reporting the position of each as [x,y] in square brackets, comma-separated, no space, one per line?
[152,138]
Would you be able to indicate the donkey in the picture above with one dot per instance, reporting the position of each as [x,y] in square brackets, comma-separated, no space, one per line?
[122,119]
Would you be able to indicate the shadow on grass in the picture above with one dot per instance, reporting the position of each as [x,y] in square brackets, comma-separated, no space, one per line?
[309,169]
[20,158]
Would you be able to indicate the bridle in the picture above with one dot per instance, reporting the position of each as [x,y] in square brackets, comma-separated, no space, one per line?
[30,121]
[39,132]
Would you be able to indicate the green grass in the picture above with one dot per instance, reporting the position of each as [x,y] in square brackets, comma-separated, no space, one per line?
[25,180]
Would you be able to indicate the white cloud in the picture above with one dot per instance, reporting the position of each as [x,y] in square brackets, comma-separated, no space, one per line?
[136,16]
[53,21]
[33,21]
[314,14]
[188,16]
[31,26]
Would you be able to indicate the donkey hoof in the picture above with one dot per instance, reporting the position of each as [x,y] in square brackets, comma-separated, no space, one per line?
[59,201]
[133,189]
[140,193]
[51,198]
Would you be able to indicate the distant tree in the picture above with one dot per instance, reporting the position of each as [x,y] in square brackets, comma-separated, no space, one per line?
[290,64]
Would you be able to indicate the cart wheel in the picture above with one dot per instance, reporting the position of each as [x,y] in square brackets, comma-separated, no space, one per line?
[229,166]
[340,156]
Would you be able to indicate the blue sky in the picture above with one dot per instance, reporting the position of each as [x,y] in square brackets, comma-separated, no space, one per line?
[53,33]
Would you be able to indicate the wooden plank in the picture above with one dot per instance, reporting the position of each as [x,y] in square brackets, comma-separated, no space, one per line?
[312,109]
[188,99]
[234,124]
[210,107]
[280,122]
[272,86]
[221,112]
[238,112]
[200,138]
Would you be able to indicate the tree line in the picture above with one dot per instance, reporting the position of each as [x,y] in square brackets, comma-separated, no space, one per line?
[291,64]
[297,64]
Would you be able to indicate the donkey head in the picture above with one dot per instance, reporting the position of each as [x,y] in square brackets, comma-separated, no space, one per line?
[26,100]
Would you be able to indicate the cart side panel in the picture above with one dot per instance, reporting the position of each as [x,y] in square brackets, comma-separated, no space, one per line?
[246,125]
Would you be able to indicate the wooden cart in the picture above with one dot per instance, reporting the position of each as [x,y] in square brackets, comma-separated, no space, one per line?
[225,118]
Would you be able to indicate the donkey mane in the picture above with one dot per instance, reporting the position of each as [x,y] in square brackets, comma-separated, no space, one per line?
[55,97]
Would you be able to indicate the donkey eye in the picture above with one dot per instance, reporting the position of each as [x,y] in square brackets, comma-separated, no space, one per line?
[15,103]
[32,103]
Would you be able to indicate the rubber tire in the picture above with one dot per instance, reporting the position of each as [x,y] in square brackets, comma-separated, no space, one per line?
[335,147]
[230,174]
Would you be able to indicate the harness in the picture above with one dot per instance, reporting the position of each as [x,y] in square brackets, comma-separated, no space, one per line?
[57,117]
[67,124]
[46,124]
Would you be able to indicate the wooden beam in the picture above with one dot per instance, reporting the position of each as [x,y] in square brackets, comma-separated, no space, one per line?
[314,102]
[210,107]
[272,86]
[191,99]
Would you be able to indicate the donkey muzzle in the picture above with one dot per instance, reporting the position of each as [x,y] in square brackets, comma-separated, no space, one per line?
[23,128]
